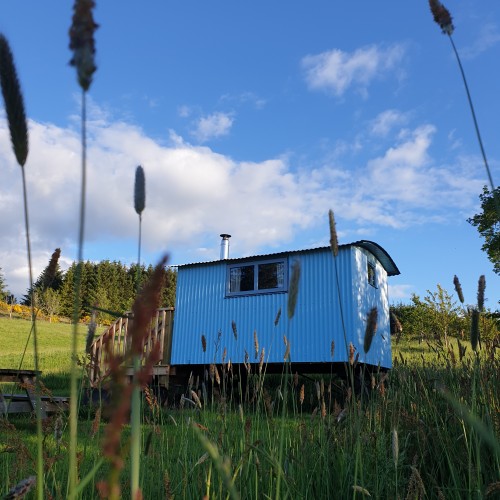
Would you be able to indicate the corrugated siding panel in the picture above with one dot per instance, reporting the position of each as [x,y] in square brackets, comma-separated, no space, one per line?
[318,319]
[203,309]
[366,298]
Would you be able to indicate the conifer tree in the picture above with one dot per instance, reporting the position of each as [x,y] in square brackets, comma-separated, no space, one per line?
[51,277]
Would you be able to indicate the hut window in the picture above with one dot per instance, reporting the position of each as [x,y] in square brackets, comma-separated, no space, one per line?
[371,273]
[257,277]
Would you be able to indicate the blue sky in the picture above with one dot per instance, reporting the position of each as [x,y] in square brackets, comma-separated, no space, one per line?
[255,119]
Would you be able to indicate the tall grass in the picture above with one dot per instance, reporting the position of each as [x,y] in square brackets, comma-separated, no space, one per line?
[337,444]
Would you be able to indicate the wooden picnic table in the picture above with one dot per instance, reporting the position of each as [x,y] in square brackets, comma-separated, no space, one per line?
[25,402]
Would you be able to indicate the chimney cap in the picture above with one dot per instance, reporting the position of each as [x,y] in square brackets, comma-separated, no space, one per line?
[225,236]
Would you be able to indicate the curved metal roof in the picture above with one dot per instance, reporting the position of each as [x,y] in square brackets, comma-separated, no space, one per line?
[374,248]
[382,256]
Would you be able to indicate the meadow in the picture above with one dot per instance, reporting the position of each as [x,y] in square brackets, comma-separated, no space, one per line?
[427,430]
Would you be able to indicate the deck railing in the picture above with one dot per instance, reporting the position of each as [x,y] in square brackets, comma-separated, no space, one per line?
[116,340]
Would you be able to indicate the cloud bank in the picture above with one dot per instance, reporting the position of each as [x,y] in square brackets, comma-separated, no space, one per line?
[193,192]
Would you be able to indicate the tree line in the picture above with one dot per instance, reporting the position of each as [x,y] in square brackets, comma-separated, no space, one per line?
[439,316]
[108,287]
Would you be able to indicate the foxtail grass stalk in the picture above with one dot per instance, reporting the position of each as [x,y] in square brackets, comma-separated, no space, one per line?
[291,305]
[476,125]
[82,44]
[73,415]
[16,118]
[135,418]
[443,18]
[334,244]
[39,434]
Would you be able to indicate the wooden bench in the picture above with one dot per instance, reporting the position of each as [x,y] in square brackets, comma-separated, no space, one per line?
[26,402]
[21,403]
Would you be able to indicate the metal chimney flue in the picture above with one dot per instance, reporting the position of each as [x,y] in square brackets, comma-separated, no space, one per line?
[224,246]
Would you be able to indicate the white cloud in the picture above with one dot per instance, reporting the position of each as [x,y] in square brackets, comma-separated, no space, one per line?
[192,192]
[211,126]
[488,37]
[386,121]
[406,178]
[335,71]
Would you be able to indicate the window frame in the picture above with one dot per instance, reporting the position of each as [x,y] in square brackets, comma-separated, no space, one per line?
[256,264]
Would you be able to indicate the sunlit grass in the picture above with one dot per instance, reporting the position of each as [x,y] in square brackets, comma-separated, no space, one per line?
[440,451]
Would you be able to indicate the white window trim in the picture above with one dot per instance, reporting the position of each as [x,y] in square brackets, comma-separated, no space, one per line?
[256,264]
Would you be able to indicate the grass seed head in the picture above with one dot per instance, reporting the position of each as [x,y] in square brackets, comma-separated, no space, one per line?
[256,344]
[481,285]
[91,329]
[58,429]
[458,289]
[81,42]
[287,352]
[371,328]
[139,190]
[21,489]
[474,329]
[96,422]
[302,394]
[14,102]
[492,490]
[278,316]
[196,399]
[261,359]
[167,486]
[145,306]
[416,488]
[442,16]
[294,288]
[395,447]
[334,242]
[361,490]
[352,350]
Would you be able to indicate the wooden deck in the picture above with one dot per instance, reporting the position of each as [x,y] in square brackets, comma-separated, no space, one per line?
[116,340]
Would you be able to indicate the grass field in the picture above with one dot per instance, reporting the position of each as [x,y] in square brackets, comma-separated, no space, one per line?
[54,345]
[430,431]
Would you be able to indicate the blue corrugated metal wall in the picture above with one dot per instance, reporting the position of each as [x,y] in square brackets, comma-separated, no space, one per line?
[203,309]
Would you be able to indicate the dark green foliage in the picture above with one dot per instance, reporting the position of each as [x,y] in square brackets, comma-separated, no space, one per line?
[488,225]
[3,290]
[111,285]
[437,316]
[50,278]
[168,297]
